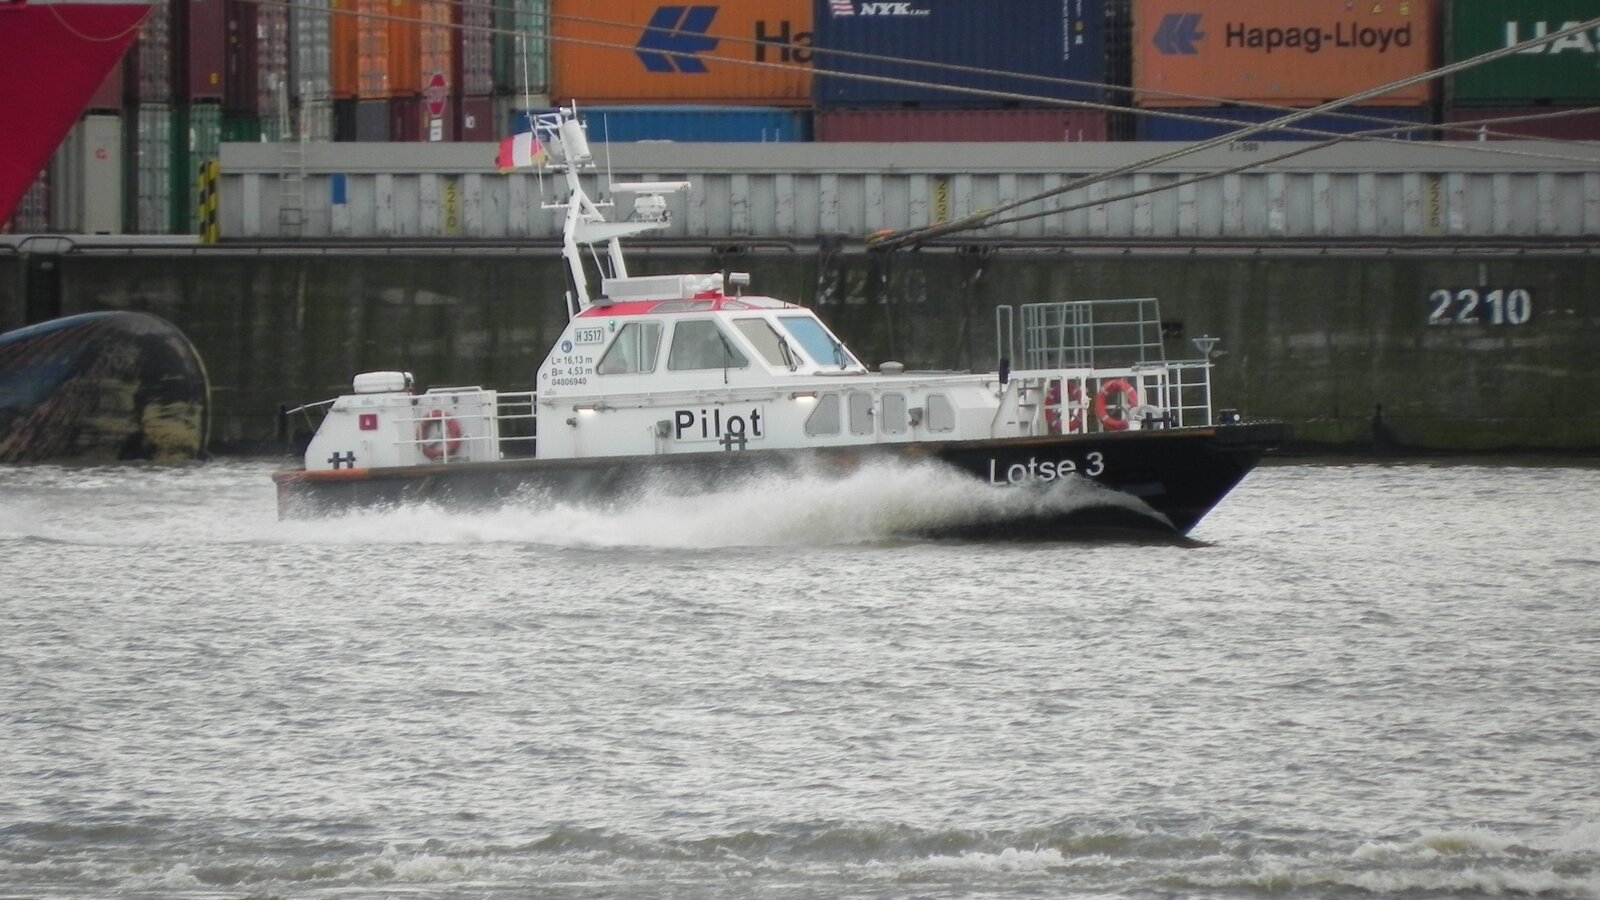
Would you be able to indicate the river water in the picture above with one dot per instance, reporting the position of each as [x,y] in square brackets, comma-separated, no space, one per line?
[1366,680]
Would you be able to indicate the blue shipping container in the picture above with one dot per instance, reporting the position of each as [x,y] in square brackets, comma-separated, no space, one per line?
[1045,39]
[1159,125]
[688,124]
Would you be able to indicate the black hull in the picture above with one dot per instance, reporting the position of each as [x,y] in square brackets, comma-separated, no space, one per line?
[101,387]
[1176,475]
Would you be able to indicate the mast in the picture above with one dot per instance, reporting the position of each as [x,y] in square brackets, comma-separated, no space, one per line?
[567,141]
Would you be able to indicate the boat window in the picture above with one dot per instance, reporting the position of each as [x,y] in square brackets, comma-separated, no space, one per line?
[817,342]
[894,414]
[634,350]
[825,418]
[700,344]
[774,347]
[860,412]
[941,413]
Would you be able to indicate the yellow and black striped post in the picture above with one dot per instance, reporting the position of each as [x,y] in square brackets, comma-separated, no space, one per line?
[210,173]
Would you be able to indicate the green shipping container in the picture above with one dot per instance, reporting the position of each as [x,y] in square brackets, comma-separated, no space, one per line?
[1564,71]
[522,46]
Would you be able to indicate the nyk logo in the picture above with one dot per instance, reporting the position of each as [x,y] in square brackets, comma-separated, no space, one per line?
[874,8]
[676,35]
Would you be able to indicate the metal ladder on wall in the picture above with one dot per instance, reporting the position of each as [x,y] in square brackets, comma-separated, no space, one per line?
[292,174]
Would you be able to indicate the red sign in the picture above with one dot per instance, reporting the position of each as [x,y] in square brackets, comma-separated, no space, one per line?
[436,92]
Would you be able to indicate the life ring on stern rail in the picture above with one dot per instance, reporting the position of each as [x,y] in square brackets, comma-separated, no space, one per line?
[1102,404]
[1052,408]
[438,434]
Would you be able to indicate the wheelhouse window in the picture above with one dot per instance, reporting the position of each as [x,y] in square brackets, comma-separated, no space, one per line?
[817,342]
[700,344]
[633,351]
[773,347]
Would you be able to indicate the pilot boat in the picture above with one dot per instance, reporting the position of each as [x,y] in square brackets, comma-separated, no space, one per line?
[692,383]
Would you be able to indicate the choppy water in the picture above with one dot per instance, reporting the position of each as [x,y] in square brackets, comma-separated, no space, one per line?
[1371,680]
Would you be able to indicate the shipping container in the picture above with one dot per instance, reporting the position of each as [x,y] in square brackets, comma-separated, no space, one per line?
[478,119]
[413,119]
[205,29]
[960,125]
[311,63]
[1554,123]
[344,119]
[1561,71]
[402,46]
[1303,53]
[521,48]
[690,124]
[87,176]
[474,50]
[344,52]
[152,56]
[1041,43]
[639,52]
[152,167]
[372,120]
[32,215]
[315,120]
[273,92]
[1192,124]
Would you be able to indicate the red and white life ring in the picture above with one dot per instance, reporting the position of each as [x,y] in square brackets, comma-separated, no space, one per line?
[1053,412]
[438,434]
[1115,418]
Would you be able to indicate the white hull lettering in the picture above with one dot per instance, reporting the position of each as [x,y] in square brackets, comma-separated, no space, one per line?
[1093,466]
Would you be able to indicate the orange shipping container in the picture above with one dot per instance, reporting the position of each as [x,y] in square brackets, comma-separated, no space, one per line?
[1300,53]
[346,49]
[630,52]
[402,45]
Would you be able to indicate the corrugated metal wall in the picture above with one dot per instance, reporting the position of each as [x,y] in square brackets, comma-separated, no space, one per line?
[801,191]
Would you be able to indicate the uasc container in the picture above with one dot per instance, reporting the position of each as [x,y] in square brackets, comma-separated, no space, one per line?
[1301,53]
[643,52]
[1565,70]
[1031,51]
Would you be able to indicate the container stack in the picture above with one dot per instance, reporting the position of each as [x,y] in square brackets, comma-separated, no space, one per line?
[910,71]
[1201,74]
[1545,92]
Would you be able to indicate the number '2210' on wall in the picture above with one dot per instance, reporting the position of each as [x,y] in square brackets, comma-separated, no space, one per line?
[1480,306]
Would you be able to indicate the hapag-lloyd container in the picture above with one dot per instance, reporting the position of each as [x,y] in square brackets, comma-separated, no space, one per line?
[1566,70]
[639,52]
[1300,53]
[1047,41]
[960,125]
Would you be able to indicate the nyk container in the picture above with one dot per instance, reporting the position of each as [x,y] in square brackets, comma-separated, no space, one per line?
[1171,124]
[1562,71]
[1555,123]
[690,124]
[1303,53]
[753,53]
[1042,42]
[205,29]
[521,47]
[961,125]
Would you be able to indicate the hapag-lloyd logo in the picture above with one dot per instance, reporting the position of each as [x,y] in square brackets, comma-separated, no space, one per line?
[1180,34]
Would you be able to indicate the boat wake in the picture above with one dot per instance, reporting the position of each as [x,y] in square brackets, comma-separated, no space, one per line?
[881,501]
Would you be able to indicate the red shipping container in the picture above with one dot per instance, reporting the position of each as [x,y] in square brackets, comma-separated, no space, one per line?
[206,30]
[960,125]
[477,119]
[1536,122]
[1299,54]
[411,119]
